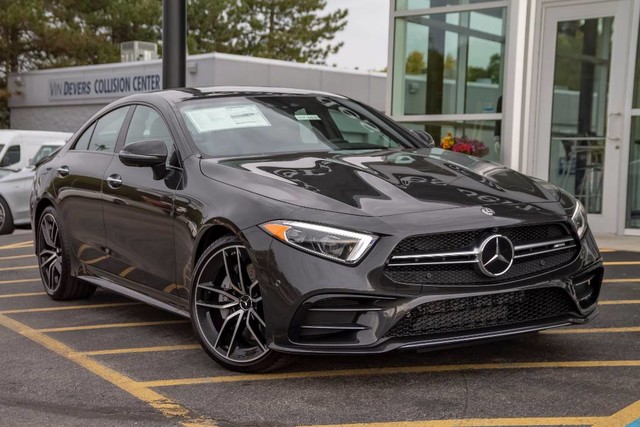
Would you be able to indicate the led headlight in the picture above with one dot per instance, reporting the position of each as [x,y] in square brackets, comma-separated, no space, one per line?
[579,219]
[333,243]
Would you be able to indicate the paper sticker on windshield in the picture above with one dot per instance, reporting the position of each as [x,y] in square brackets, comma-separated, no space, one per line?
[224,118]
[307,117]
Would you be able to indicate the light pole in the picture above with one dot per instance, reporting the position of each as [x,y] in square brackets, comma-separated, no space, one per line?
[174,43]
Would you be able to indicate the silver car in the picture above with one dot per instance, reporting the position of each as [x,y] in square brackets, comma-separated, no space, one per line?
[15,188]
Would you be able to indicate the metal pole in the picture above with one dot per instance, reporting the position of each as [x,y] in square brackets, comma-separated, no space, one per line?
[174,43]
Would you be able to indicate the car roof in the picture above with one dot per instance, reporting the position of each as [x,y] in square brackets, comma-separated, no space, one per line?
[184,94]
[7,136]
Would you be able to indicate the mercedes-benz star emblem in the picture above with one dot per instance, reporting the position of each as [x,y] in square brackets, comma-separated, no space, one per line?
[496,255]
[488,211]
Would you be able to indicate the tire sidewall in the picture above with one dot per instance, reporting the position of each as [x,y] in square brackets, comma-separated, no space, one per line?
[7,225]
[66,278]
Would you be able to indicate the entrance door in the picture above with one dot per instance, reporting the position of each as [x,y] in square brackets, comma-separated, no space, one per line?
[584,61]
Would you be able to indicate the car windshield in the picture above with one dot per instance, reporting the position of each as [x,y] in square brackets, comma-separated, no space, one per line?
[43,152]
[264,124]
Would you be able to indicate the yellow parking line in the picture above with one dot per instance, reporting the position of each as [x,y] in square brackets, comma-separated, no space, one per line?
[606,250]
[480,422]
[392,370]
[69,307]
[620,301]
[593,330]
[624,417]
[630,280]
[26,294]
[611,263]
[142,349]
[111,325]
[164,405]
[5,258]
[18,245]
[10,282]
[20,267]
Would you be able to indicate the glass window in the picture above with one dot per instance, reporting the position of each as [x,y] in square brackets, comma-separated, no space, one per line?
[11,157]
[449,63]
[425,4]
[633,185]
[85,139]
[147,125]
[44,151]
[476,138]
[106,132]
[273,124]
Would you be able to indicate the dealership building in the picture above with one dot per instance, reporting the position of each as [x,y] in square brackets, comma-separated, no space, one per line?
[548,85]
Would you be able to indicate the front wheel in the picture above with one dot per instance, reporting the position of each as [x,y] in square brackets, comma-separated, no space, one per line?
[6,219]
[227,311]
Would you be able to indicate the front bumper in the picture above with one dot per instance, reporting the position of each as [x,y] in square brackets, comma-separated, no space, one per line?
[301,291]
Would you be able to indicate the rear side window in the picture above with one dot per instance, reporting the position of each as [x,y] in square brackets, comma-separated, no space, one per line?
[146,125]
[103,134]
[11,157]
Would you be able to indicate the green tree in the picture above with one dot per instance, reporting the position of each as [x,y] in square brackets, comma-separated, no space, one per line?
[415,63]
[213,26]
[292,30]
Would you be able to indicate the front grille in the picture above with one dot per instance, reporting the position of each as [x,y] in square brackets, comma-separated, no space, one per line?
[485,311]
[449,259]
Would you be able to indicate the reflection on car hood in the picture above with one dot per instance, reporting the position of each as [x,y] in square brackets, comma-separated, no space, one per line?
[381,182]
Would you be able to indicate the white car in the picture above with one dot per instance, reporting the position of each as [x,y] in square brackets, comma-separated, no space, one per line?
[19,147]
[15,188]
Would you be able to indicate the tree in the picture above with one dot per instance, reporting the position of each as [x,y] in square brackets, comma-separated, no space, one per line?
[415,63]
[292,30]
[213,26]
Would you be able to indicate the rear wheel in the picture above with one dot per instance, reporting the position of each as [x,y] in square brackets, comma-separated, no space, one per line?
[227,311]
[6,219]
[53,251]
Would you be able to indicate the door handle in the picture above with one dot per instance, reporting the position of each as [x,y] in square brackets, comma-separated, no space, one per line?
[63,171]
[114,181]
[613,127]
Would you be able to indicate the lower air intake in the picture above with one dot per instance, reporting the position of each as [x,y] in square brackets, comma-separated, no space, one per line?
[486,311]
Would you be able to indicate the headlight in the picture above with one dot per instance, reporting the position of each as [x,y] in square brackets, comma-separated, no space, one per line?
[333,243]
[579,219]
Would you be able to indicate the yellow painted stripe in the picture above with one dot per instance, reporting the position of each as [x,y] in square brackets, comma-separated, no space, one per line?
[606,250]
[18,245]
[26,294]
[612,263]
[623,417]
[621,301]
[592,330]
[164,405]
[481,422]
[111,326]
[392,370]
[5,258]
[126,271]
[69,307]
[630,280]
[142,349]
[20,267]
[10,282]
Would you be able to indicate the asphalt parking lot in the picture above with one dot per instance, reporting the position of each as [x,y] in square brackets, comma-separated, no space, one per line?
[112,361]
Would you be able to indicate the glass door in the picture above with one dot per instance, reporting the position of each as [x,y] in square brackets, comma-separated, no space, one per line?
[581,103]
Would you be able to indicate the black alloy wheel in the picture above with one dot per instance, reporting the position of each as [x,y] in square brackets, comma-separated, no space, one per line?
[227,311]
[53,249]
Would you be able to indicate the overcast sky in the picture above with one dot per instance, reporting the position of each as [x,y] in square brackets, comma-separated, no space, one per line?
[367,34]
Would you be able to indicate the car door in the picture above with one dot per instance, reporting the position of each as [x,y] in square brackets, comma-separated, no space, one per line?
[138,210]
[78,184]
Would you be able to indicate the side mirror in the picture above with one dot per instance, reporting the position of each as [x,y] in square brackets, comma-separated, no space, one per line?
[425,137]
[151,154]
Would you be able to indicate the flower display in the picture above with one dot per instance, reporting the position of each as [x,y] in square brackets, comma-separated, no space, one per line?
[464,145]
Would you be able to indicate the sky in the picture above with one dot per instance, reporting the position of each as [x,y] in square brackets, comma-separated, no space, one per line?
[366,37]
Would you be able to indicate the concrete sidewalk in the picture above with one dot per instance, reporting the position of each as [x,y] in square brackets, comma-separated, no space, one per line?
[618,242]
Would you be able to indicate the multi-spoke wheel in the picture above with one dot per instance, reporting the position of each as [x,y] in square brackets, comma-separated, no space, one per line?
[227,311]
[6,219]
[53,251]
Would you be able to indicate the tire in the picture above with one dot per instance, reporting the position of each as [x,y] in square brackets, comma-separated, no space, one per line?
[6,219]
[53,251]
[226,309]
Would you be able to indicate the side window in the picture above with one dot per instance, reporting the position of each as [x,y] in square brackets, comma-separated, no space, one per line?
[11,156]
[146,125]
[85,139]
[106,132]
[358,131]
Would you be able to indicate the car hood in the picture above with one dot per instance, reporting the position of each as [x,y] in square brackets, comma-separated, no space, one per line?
[24,173]
[380,182]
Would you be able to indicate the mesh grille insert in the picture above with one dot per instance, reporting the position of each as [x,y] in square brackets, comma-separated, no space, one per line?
[486,311]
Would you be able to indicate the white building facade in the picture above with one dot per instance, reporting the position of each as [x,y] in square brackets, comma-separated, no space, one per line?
[550,86]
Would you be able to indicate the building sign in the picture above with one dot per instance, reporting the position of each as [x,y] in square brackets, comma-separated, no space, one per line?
[103,86]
